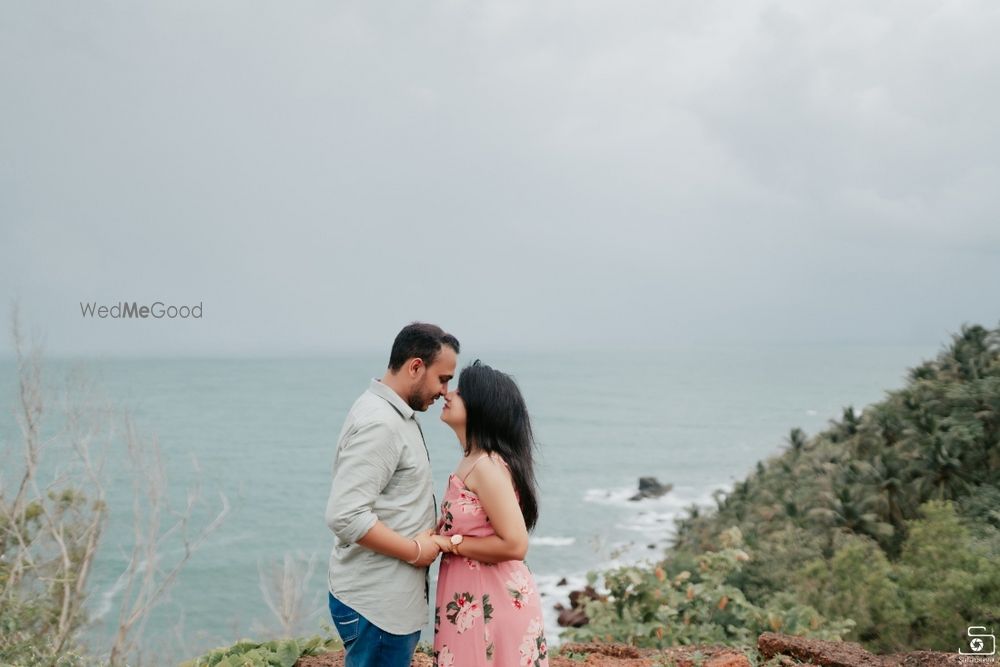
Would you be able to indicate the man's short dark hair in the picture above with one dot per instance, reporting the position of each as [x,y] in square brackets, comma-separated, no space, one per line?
[419,340]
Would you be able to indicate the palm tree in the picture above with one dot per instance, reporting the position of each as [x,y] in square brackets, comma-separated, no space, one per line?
[887,419]
[846,427]
[939,469]
[685,524]
[848,508]
[851,420]
[925,371]
[923,422]
[977,406]
[721,499]
[972,352]
[789,506]
[888,474]
[796,441]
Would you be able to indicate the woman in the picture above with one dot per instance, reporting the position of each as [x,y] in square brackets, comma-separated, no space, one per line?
[488,610]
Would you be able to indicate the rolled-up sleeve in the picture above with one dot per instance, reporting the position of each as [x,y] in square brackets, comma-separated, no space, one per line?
[367,459]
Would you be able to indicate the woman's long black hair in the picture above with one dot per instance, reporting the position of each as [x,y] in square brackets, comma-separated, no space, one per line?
[497,422]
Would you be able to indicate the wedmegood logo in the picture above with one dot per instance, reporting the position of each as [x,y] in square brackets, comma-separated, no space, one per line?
[125,310]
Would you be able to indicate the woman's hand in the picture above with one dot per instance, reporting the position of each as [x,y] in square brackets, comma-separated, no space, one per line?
[443,543]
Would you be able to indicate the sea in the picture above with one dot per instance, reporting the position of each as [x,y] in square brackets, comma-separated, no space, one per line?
[261,432]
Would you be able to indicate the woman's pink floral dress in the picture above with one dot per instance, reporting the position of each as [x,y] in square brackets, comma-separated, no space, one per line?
[486,614]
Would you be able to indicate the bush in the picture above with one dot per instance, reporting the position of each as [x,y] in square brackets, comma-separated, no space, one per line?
[647,607]
[276,653]
[949,581]
[859,582]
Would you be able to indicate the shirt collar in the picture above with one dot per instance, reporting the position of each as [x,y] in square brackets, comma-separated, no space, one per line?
[386,392]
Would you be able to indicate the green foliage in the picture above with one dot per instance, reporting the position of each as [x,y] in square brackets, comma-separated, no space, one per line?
[950,582]
[276,653]
[574,656]
[34,596]
[858,583]
[649,608]
[983,508]
[888,521]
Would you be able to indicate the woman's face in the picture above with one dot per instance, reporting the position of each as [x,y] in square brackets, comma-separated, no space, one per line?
[453,412]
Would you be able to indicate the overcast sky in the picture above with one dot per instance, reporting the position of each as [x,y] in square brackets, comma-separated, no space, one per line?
[526,174]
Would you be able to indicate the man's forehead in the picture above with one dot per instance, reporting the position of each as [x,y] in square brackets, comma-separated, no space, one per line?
[445,360]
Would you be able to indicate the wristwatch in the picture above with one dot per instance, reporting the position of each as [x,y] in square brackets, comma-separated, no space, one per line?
[455,541]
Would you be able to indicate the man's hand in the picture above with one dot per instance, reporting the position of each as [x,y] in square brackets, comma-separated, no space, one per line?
[444,543]
[429,550]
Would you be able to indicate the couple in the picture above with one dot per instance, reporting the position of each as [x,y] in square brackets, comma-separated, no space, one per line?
[382,511]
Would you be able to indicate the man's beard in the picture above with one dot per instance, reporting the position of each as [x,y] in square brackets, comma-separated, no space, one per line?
[417,401]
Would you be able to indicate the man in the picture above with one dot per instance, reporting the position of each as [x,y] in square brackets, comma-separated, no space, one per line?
[382,507]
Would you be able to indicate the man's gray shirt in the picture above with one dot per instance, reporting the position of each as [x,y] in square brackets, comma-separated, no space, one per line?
[381,472]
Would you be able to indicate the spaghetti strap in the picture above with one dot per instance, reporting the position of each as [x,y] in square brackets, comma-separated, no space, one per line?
[486,455]
[466,476]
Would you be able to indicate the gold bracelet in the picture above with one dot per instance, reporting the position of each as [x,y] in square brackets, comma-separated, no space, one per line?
[419,552]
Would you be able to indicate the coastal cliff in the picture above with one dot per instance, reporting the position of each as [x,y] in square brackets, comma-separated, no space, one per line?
[772,650]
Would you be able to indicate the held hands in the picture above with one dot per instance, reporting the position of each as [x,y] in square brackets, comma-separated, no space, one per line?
[427,549]
[443,543]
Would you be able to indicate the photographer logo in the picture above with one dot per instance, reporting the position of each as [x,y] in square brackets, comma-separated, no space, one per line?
[981,642]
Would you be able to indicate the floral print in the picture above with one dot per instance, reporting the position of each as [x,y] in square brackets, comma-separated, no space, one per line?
[462,611]
[519,588]
[469,503]
[445,524]
[444,658]
[534,650]
[492,615]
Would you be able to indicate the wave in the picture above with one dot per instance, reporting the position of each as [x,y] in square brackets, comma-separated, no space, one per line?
[676,498]
[653,521]
[553,541]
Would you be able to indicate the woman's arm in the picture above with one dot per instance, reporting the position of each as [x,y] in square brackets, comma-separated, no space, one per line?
[492,483]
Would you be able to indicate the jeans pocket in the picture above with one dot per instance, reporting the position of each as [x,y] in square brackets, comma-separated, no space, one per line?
[346,620]
[347,627]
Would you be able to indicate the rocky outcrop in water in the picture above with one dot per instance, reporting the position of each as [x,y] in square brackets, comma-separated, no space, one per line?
[650,487]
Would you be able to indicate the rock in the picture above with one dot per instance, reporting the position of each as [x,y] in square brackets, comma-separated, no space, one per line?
[563,582]
[702,655]
[609,650]
[825,654]
[817,651]
[580,598]
[576,616]
[925,659]
[846,654]
[650,487]
[731,659]
[572,618]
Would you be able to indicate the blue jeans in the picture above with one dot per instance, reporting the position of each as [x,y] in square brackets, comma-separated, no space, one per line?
[366,645]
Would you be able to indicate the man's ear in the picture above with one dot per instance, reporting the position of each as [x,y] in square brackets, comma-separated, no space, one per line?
[416,367]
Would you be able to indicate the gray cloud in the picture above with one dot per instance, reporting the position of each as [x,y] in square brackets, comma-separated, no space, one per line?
[527,174]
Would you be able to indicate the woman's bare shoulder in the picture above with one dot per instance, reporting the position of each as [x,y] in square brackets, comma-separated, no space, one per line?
[493,470]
